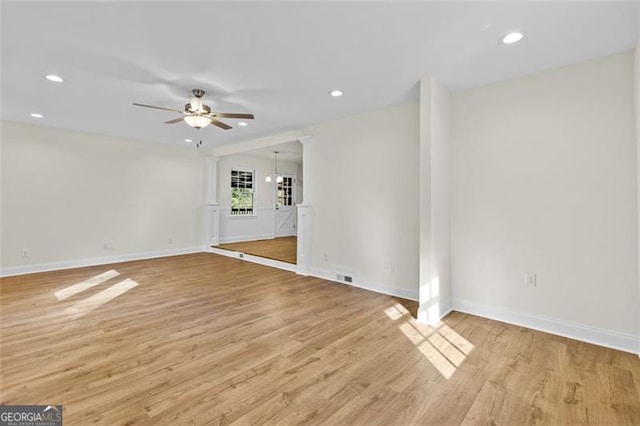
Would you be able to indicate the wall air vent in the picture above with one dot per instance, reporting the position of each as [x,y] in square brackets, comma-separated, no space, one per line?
[344,274]
[344,278]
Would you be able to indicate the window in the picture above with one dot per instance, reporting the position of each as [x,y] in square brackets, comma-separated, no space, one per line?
[241,192]
[285,192]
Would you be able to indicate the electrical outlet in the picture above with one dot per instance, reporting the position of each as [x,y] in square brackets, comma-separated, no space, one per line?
[25,253]
[107,246]
[530,279]
[169,240]
[325,256]
[388,267]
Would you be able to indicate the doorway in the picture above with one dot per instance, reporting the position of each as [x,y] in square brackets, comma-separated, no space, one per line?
[270,229]
[285,209]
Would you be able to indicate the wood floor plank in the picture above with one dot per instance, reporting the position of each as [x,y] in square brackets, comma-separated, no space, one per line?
[207,339]
[284,249]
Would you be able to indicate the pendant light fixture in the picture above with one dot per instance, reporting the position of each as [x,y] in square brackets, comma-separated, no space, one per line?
[278,177]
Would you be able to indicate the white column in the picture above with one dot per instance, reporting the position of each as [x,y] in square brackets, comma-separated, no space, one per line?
[212,180]
[425,201]
[211,207]
[212,225]
[435,141]
[637,110]
[305,211]
[305,216]
[307,146]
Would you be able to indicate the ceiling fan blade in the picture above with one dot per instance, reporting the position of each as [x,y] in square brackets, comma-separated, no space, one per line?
[220,124]
[233,115]
[156,107]
[174,121]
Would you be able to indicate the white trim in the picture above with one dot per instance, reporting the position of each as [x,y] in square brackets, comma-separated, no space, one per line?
[585,333]
[446,308]
[94,261]
[241,216]
[211,227]
[304,219]
[443,310]
[254,259]
[369,285]
[244,238]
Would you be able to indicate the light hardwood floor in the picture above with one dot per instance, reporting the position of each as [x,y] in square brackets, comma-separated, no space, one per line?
[206,339]
[284,249]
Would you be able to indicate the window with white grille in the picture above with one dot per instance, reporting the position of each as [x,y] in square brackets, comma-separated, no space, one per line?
[242,192]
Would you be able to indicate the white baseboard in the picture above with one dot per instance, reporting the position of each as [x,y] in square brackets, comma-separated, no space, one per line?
[94,261]
[444,309]
[255,259]
[447,308]
[369,285]
[585,333]
[242,238]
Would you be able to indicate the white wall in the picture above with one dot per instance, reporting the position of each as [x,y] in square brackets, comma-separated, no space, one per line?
[637,106]
[261,225]
[67,194]
[544,181]
[365,198]
[435,168]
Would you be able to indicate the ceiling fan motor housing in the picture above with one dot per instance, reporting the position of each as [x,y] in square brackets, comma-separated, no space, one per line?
[195,104]
[204,110]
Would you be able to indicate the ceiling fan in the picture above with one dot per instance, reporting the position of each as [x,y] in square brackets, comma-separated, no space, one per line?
[197,114]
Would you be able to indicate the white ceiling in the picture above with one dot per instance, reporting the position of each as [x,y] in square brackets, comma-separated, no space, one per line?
[276,60]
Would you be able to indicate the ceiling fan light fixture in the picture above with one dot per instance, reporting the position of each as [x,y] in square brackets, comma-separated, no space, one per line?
[242,123]
[197,121]
[199,115]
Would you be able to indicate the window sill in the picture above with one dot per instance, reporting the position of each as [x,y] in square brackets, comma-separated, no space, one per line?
[242,216]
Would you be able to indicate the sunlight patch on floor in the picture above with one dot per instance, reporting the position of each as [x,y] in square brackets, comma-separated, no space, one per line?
[445,349]
[85,285]
[89,304]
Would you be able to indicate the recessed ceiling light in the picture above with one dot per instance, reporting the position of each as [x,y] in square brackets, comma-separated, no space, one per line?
[511,38]
[54,78]
[242,123]
[188,140]
[36,115]
[336,93]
